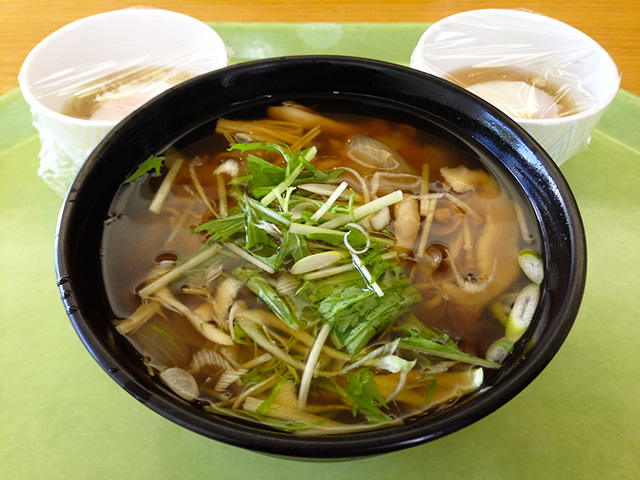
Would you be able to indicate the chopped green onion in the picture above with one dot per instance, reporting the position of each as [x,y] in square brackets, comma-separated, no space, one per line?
[531,265]
[499,350]
[522,312]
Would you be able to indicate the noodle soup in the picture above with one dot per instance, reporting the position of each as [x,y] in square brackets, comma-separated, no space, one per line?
[320,273]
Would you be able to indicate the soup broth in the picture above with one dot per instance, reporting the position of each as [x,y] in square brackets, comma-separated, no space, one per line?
[320,273]
[114,96]
[520,93]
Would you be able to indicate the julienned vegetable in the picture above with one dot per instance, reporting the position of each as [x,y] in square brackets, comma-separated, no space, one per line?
[351,303]
[307,306]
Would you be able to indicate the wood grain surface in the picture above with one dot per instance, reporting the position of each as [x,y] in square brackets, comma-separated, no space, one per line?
[615,24]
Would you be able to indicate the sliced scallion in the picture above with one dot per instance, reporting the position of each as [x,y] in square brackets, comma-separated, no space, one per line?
[499,350]
[522,312]
[531,265]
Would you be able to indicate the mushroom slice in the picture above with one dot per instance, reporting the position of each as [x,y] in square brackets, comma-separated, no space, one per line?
[181,382]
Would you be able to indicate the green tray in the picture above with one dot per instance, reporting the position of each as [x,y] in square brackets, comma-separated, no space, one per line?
[62,417]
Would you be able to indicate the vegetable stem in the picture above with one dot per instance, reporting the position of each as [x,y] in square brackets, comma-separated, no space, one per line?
[466,209]
[268,212]
[288,414]
[252,332]
[330,201]
[302,229]
[312,361]
[165,186]
[329,272]
[366,274]
[426,227]
[179,271]
[250,258]
[286,183]
[317,261]
[365,210]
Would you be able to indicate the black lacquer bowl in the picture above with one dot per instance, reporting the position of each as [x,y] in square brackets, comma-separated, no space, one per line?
[503,147]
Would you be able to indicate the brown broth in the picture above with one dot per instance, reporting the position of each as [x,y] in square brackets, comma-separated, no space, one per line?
[511,88]
[114,96]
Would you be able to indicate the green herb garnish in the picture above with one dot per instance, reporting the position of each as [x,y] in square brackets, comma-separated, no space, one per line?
[159,330]
[365,396]
[440,346]
[151,163]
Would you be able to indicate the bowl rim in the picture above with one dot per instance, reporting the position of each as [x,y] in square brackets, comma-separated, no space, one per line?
[79,198]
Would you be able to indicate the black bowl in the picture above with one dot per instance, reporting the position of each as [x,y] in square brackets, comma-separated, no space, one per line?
[502,145]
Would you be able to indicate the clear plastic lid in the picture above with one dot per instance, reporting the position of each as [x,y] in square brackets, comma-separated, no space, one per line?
[117,60]
[531,66]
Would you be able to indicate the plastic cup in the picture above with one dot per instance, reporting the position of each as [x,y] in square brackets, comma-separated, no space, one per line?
[499,38]
[96,47]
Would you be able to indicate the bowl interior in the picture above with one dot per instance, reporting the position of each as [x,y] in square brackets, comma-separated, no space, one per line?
[504,148]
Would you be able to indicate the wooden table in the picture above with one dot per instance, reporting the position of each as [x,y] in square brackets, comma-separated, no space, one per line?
[615,24]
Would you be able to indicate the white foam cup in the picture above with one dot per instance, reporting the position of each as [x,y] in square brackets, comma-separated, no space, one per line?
[535,43]
[95,47]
